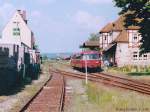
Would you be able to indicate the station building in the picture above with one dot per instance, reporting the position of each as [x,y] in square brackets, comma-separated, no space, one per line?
[17,31]
[17,36]
[120,45]
[90,45]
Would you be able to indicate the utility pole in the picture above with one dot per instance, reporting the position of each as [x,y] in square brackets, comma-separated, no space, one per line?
[86,74]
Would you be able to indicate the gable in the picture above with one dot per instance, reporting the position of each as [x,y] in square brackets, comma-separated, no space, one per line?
[18,19]
[17,31]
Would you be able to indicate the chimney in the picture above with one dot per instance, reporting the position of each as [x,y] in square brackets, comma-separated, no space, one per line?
[23,14]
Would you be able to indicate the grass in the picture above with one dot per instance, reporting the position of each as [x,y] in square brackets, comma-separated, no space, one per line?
[130,70]
[79,100]
[115,100]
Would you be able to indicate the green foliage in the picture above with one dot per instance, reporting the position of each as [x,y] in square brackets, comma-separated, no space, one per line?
[131,70]
[45,57]
[94,37]
[137,13]
[36,47]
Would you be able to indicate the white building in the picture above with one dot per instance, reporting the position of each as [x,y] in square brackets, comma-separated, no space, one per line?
[120,45]
[17,31]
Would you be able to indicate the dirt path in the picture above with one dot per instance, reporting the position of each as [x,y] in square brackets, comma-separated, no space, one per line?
[77,99]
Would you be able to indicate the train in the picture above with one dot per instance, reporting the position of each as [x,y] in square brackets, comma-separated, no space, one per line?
[92,58]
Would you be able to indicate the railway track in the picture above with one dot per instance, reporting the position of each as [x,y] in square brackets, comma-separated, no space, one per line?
[111,80]
[49,98]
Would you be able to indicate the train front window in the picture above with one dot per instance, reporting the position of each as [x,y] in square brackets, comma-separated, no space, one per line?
[91,56]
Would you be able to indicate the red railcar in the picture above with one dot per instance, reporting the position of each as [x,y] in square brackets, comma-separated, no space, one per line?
[92,58]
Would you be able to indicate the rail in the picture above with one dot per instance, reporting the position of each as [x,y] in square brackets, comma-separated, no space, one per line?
[53,89]
[125,83]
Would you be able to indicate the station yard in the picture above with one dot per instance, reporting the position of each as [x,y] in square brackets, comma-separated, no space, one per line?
[97,97]
[93,97]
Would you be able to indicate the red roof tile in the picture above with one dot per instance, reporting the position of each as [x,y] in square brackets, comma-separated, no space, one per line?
[107,28]
[122,37]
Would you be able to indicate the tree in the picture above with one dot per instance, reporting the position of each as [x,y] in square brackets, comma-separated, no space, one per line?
[94,37]
[137,12]
[45,57]
[35,46]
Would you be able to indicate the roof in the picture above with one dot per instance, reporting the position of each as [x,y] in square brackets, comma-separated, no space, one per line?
[91,44]
[122,37]
[133,28]
[117,25]
[107,28]
[89,52]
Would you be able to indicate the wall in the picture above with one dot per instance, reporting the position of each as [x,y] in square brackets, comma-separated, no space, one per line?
[110,37]
[124,56]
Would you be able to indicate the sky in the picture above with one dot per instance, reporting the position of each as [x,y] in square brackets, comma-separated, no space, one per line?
[61,25]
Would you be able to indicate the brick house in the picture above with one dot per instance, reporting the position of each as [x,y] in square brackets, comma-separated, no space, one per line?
[120,45]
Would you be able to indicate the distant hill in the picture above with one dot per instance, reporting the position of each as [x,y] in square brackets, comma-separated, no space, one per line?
[57,55]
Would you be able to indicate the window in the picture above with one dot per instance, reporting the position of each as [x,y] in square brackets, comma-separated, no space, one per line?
[140,57]
[135,55]
[110,34]
[16,34]
[105,37]
[135,37]
[91,56]
[145,56]
[16,31]
[78,56]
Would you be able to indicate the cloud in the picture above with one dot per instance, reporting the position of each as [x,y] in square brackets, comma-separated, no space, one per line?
[87,21]
[97,1]
[49,31]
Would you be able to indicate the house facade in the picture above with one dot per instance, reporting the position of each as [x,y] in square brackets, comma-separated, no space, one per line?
[17,31]
[17,34]
[120,45]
